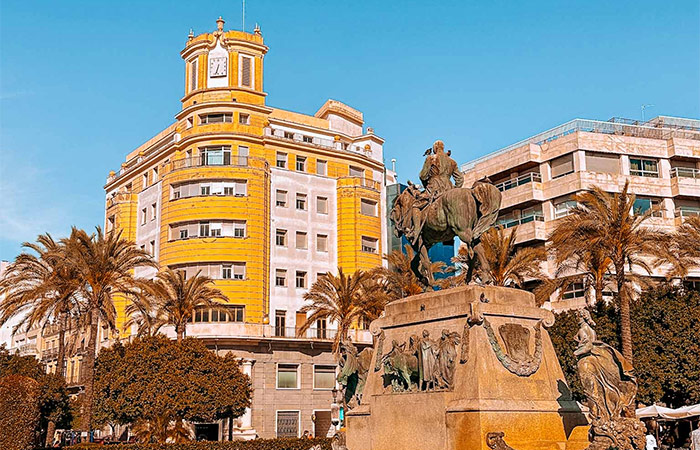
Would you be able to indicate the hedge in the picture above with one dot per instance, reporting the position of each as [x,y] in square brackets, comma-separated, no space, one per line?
[257,444]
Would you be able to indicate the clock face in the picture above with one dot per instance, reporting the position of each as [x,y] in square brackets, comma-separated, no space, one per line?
[217,66]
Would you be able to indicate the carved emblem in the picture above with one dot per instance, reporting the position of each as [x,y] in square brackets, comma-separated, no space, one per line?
[516,359]
[495,441]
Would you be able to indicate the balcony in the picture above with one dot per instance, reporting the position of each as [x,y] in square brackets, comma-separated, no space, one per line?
[256,331]
[522,179]
[685,181]
[27,349]
[345,182]
[48,354]
[223,160]
[530,228]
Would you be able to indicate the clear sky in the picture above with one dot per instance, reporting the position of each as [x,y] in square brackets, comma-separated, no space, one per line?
[84,83]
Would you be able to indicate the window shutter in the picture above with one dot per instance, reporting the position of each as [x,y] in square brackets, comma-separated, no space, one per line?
[245,71]
[597,162]
[562,165]
[193,75]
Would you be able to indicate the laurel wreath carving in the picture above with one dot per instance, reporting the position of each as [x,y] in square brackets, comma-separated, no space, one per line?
[522,368]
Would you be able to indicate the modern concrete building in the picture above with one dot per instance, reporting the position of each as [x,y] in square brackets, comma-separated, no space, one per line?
[539,175]
[264,200]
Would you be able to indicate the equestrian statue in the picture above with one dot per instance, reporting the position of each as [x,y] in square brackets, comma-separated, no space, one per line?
[442,211]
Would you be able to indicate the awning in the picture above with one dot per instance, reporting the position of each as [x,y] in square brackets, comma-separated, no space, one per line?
[668,413]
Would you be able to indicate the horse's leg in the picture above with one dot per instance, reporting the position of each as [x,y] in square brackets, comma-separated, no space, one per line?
[425,264]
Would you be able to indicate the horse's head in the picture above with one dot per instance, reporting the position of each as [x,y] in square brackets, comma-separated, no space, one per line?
[401,211]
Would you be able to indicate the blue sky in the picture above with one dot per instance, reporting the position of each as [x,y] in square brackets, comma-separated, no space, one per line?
[84,83]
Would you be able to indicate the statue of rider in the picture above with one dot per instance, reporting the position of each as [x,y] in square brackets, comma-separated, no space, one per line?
[436,175]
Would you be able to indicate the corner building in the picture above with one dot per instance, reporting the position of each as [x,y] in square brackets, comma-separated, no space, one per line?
[540,176]
[264,201]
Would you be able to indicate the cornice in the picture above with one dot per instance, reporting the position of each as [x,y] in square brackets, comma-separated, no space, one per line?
[222,104]
[331,152]
[227,88]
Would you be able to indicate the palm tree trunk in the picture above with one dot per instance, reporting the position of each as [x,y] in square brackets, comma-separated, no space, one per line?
[598,291]
[230,427]
[180,331]
[625,319]
[60,370]
[89,372]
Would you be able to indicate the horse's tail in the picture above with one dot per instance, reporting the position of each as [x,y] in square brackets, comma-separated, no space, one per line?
[488,199]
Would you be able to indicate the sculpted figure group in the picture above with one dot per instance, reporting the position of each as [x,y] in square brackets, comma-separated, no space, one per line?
[610,389]
[426,365]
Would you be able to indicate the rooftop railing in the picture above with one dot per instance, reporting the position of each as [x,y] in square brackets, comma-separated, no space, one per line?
[522,179]
[685,172]
[654,130]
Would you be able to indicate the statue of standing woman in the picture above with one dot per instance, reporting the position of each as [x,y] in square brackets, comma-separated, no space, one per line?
[610,388]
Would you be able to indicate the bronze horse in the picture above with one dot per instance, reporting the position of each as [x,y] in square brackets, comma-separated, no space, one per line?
[459,212]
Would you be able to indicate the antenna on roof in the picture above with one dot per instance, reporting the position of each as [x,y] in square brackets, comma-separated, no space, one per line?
[643,108]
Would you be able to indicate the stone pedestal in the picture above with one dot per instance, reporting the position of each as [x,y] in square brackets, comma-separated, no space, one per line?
[506,377]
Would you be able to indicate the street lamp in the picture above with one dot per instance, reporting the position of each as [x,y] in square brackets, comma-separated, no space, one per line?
[335,410]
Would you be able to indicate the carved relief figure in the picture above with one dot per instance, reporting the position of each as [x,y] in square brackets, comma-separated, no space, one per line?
[610,388]
[354,368]
[447,358]
[443,211]
[427,362]
[400,365]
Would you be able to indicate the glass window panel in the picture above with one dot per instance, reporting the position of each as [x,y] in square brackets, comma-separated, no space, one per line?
[324,377]
[287,376]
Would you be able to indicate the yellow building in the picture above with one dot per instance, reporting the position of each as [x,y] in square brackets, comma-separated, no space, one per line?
[263,200]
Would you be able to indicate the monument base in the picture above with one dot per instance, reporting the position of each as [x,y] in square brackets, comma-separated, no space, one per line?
[501,375]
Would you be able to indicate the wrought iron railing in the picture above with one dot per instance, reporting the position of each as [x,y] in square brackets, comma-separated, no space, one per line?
[685,172]
[522,220]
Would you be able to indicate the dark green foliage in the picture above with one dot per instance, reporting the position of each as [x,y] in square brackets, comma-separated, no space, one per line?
[258,444]
[154,376]
[666,341]
[19,412]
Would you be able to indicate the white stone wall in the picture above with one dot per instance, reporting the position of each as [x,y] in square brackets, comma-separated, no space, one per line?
[150,231]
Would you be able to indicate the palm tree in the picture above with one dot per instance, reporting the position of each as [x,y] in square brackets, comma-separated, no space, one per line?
[105,263]
[344,299]
[610,223]
[399,278]
[590,265]
[142,312]
[508,265]
[176,298]
[685,247]
[44,287]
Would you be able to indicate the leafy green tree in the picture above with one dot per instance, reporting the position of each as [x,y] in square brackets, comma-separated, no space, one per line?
[19,412]
[666,339]
[154,377]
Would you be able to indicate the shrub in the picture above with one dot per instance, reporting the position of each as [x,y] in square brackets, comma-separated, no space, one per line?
[19,412]
[257,444]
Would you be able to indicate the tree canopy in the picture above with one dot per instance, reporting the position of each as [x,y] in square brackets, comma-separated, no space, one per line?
[666,338]
[154,377]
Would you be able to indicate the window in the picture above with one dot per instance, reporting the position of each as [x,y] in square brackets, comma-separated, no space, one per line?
[322,205]
[321,167]
[246,75]
[562,165]
[561,209]
[153,211]
[236,313]
[602,163]
[321,329]
[144,180]
[301,163]
[281,160]
[176,192]
[281,198]
[143,216]
[368,207]
[239,228]
[281,323]
[357,172]
[155,174]
[280,277]
[242,155]
[307,139]
[184,233]
[204,229]
[215,229]
[644,167]
[288,135]
[321,243]
[369,244]
[190,123]
[301,243]
[642,205]
[324,377]
[574,290]
[193,74]
[152,248]
[287,424]
[111,221]
[216,156]
[244,119]
[205,189]
[239,271]
[226,271]
[281,238]
[301,279]
[301,202]
[216,118]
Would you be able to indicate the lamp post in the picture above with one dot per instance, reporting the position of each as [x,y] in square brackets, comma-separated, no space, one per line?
[335,410]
